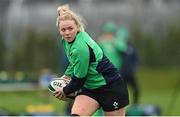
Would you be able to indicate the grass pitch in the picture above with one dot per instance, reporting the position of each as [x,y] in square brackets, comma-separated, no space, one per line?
[156,87]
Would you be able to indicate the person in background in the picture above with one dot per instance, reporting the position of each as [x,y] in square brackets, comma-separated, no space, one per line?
[90,71]
[130,62]
[112,47]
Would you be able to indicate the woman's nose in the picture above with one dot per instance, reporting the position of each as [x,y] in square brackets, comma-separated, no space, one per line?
[66,32]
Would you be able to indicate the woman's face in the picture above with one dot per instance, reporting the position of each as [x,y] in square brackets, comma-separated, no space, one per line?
[68,29]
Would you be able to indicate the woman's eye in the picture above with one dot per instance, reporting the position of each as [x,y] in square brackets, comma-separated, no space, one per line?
[70,28]
[63,30]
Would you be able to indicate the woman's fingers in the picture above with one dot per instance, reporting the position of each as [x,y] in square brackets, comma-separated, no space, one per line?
[59,94]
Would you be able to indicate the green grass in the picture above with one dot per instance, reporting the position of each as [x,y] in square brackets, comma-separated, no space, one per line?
[17,102]
[156,87]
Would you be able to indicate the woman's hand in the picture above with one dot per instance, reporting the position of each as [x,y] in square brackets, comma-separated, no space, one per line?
[60,95]
[67,79]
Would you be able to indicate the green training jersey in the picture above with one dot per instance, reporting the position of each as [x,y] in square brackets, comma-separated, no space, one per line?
[111,52]
[81,65]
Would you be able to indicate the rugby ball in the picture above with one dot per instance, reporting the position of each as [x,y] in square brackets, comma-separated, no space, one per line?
[59,83]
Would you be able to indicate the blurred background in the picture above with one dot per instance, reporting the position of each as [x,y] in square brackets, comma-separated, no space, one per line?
[31,52]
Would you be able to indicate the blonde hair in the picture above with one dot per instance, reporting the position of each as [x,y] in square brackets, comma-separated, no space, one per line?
[64,13]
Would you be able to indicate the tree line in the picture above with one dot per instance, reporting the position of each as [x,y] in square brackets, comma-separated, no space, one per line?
[39,50]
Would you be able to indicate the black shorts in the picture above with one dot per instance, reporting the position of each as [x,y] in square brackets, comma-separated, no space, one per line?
[110,97]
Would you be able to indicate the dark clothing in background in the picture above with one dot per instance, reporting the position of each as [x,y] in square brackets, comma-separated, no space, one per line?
[130,62]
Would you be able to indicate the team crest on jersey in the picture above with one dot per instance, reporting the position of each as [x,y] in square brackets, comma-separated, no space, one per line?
[115,104]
